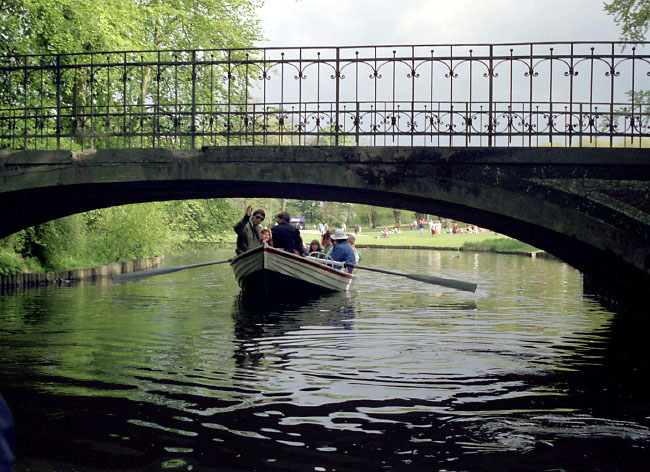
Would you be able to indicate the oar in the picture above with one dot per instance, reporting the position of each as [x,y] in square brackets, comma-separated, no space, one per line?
[457,284]
[145,274]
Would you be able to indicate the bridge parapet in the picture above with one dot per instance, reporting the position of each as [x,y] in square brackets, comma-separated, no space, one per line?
[484,95]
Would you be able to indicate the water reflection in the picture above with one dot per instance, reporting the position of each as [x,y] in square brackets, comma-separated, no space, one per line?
[183,371]
[256,317]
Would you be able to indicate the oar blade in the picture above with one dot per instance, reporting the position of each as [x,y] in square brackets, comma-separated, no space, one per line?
[142,274]
[145,274]
[451,283]
[457,284]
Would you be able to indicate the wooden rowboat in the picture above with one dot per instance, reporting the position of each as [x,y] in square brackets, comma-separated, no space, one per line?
[270,271]
[279,272]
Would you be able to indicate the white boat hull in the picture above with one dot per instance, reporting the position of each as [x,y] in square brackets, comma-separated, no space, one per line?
[275,270]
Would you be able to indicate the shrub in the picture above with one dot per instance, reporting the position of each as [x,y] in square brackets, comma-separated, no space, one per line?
[10,263]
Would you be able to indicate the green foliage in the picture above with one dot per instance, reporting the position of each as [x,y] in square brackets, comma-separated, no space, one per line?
[116,233]
[188,24]
[29,28]
[373,217]
[10,263]
[336,213]
[310,210]
[42,26]
[13,243]
[397,214]
[129,232]
[632,16]
[57,242]
[202,220]
[32,32]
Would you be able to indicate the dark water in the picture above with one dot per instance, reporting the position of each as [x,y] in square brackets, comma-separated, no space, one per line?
[179,372]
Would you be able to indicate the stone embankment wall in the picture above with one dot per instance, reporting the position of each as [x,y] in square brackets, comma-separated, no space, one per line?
[69,276]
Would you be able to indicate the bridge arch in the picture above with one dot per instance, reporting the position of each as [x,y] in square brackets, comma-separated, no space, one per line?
[589,207]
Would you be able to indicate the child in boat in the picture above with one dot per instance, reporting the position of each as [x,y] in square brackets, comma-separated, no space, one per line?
[266,236]
[327,242]
[314,246]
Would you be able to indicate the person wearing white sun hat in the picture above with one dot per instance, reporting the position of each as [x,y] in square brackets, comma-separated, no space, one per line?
[342,251]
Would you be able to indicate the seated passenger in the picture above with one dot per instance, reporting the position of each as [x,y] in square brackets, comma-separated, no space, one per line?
[287,237]
[342,251]
[266,236]
[357,254]
[314,246]
[326,243]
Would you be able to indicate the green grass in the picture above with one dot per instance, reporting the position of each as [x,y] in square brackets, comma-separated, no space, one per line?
[407,238]
[485,240]
[501,244]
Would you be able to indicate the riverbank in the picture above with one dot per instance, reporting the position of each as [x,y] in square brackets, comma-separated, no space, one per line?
[468,242]
[535,254]
[485,241]
[410,239]
[68,276]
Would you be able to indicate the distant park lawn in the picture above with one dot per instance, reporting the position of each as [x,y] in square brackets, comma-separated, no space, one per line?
[412,238]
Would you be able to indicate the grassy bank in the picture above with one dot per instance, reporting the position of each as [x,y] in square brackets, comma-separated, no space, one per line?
[412,238]
[486,241]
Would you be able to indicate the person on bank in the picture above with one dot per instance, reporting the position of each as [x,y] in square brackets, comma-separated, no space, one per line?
[248,230]
[342,251]
[287,237]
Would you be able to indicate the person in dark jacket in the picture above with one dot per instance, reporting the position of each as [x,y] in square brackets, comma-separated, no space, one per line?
[6,437]
[248,230]
[287,237]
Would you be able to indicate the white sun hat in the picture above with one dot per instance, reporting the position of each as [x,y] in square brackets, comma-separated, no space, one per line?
[339,234]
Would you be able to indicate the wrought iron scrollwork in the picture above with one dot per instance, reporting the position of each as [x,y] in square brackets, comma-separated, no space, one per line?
[490,95]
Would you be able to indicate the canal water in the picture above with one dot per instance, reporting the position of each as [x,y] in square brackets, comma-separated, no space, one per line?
[179,372]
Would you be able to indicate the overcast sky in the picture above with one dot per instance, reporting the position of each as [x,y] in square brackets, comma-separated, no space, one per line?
[390,22]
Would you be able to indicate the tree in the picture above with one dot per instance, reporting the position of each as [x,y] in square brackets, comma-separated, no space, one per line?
[66,26]
[201,220]
[129,231]
[372,217]
[34,32]
[42,27]
[397,214]
[632,16]
[311,210]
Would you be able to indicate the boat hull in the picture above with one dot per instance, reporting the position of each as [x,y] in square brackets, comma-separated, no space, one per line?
[275,271]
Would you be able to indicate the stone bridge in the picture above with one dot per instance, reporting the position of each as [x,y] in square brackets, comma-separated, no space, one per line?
[545,142]
[588,207]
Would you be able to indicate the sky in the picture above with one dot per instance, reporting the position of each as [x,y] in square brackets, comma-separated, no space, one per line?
[394,22]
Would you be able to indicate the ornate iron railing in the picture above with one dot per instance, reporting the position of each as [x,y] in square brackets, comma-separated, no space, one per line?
[533,94]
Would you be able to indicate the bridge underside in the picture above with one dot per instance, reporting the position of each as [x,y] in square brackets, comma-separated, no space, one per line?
[588,207]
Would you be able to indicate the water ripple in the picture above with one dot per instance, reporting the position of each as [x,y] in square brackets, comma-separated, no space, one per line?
[394,374]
